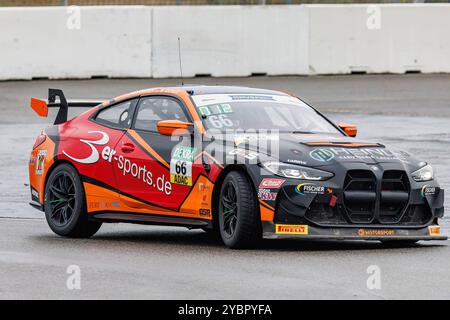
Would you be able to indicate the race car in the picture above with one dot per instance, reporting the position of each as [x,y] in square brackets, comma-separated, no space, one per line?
[243,162]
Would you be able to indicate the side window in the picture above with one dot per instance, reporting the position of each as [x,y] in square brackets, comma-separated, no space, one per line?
[151,110]
[117,116]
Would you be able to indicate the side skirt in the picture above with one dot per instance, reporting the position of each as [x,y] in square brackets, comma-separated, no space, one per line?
[149,219]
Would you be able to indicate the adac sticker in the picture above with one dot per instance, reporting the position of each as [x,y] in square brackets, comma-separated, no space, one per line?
[40,162]
[429,191]
[309,188]
[181,165]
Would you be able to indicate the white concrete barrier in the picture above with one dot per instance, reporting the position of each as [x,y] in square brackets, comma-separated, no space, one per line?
[394,38]
[138,41]
[230,40]
[46,42]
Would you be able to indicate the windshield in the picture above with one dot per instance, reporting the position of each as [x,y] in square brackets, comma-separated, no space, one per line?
[260,112]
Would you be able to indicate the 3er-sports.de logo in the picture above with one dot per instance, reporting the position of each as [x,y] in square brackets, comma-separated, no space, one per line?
[94,156]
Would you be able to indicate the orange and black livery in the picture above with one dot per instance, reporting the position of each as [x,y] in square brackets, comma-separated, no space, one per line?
[246,163]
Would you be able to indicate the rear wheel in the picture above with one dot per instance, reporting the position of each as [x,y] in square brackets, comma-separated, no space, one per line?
[65,204]
[239,222]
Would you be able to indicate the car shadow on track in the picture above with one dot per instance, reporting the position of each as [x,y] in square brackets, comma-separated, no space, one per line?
[203,240]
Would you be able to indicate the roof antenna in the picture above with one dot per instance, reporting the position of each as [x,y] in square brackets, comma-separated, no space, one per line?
[179,57]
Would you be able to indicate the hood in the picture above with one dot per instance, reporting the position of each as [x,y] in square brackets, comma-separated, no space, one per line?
[316,150]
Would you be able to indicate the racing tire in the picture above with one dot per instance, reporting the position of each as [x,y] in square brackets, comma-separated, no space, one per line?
[65,204]
[239,219]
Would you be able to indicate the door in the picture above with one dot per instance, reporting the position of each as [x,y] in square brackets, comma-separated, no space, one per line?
[155,169]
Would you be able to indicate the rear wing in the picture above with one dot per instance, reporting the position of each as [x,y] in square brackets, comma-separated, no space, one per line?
[56,99]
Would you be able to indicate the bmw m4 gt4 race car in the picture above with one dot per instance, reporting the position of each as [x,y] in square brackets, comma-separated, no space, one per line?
[247,163]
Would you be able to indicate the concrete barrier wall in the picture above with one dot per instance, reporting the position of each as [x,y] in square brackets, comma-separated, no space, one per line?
[45,42]
[140,41]
[230,40]
[405,38]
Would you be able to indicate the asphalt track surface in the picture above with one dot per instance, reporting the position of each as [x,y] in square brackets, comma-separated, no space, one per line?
[138,262]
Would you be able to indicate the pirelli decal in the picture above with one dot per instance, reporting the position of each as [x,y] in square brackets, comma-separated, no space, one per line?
[291,229]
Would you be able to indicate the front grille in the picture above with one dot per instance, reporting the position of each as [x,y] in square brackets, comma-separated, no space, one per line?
[394,196]
[360,196]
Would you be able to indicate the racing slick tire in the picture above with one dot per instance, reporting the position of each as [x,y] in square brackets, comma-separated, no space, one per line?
[239,221]
[65,204]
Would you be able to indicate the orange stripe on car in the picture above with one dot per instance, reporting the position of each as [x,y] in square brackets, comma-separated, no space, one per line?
[146,147]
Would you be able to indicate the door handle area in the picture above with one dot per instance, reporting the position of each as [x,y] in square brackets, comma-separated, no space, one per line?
[127,147]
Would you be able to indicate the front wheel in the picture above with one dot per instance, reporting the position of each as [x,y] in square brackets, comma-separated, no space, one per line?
[65,204]
[239,219]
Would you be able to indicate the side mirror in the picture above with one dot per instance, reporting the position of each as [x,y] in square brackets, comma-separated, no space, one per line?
[350,129]
[173,127]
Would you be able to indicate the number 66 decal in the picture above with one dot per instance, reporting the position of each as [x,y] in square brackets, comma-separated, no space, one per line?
[94,156]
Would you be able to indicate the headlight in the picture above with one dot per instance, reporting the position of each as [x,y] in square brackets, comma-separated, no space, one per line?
[296,172]
[424,174]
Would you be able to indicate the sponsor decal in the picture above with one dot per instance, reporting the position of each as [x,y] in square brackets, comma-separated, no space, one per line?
[181,165]
[266,194]
[94,156]
[429,191]
[244,153]
[291,229]
[34,193]
[309,188]
[101,205]
[205,212]
[376,232]
[215,109]
[322,155]
[295,161]
[434,230]
[40,162]
[108,154]
[341,153]
[250,97]
[270,183]
[32,160]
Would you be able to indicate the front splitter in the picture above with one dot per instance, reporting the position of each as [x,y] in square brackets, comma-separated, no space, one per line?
[288,231]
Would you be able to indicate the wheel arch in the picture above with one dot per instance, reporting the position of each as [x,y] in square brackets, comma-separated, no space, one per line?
[54,165]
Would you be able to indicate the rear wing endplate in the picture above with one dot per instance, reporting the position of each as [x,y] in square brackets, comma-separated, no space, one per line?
[56,99]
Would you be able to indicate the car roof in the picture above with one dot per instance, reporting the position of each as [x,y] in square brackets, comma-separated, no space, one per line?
[217,89]
[195,90]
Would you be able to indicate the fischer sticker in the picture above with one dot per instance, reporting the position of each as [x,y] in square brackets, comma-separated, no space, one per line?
[309,188]
[181,165]
[429,191]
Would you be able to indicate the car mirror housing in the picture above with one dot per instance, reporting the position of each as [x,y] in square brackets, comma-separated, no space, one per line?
[350,129]
[174,127]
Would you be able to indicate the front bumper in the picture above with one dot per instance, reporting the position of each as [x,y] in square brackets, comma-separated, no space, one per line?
[285,231]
